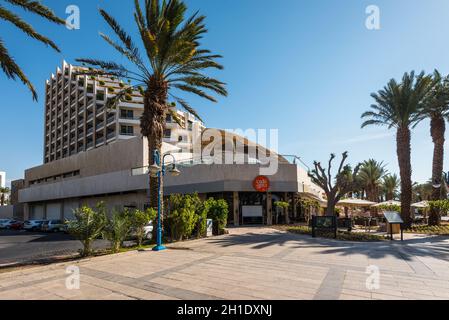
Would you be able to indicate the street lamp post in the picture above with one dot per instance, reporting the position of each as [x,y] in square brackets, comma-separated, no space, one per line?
[158,169]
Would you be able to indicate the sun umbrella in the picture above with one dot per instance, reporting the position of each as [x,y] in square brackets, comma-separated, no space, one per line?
[421,205]
[388,203]
[355,203]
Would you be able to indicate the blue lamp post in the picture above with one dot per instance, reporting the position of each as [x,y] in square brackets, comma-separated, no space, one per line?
[158,169]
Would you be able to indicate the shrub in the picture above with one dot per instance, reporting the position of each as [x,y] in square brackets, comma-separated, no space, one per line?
[281,204]
[201,210]
[121,85]
[117,229]
[341,235]
[128,97]
[88,226]
[102,83]
[218,211]
[182,218]
[139,219]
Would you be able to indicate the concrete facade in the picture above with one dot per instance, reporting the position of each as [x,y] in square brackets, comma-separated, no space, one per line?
[53,190]
[77,119]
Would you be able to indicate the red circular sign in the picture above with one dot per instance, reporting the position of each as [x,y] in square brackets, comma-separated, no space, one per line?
[261,184]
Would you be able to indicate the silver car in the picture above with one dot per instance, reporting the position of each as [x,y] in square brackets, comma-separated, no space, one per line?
[4,223]
[53,226]
[33,225]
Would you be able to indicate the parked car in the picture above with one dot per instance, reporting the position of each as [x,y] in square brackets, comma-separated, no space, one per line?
[10,224]
[15,225]
[4,223]
[33,225]
[53,226]
[148,229]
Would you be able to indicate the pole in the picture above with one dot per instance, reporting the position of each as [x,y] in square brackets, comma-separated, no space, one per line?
[159,246]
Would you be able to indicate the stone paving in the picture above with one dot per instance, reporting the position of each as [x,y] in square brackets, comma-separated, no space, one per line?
[249,264]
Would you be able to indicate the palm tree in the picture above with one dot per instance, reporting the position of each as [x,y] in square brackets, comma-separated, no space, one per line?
[437,110]
[7,63]
[390,186]
[422,192]
[174,61]
[370,175]
[3,193]
[397,106]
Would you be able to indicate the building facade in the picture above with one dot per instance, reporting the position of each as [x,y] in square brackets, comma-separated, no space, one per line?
[94,155]
[2,179]
[77,120]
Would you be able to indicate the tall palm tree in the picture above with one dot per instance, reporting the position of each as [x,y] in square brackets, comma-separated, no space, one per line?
[370,175]
[397,106]
[174,62]
[390,186]
[437,110]
[7,63]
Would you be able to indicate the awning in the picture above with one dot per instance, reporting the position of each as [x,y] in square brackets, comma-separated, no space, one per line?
[355,203]
[388,203]
[421,205]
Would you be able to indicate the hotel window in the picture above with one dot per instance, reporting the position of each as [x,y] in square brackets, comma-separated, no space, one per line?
[167,133]
[168,118]
[190,125]
[127,130]
[126,114]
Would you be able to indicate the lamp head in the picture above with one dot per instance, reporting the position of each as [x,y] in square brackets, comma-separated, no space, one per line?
[174,171]
[154,169]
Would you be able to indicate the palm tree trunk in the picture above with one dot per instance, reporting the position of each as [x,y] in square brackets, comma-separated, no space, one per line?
[152,126]
[403,151]
[437,131]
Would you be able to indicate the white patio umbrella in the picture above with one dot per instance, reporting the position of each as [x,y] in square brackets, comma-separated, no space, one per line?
[355,203]
[421,205]
[387,203]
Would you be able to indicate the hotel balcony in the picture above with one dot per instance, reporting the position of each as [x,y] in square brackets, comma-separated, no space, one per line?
[133,120]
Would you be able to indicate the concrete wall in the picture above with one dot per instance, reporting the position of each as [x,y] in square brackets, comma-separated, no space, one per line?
[200,178]
[6,212]
[116,156]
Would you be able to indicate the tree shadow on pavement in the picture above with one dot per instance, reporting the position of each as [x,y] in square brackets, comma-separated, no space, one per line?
[435,246]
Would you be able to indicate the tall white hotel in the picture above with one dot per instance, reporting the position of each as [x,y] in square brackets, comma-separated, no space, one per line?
[77,120]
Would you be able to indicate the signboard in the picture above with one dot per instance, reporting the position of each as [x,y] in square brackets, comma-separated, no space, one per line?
[324,222]
[252,211]
[393,217]
[327,223]
[261,184]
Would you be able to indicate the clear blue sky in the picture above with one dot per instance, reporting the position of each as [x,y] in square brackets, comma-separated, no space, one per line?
[306,67]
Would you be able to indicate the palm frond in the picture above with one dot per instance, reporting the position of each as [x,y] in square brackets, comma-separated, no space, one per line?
[25,27]
[37,8]
[12,70]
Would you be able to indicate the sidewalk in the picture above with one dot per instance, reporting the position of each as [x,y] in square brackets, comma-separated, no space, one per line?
[250,263]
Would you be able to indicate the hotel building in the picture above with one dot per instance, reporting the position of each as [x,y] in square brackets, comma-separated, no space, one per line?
[93,154]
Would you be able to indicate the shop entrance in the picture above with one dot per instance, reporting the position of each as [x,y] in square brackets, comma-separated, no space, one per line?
[252,208]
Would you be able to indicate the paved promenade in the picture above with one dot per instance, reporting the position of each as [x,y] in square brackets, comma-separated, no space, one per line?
[250,263]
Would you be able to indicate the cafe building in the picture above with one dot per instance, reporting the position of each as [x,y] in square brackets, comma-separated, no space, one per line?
[116,174]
